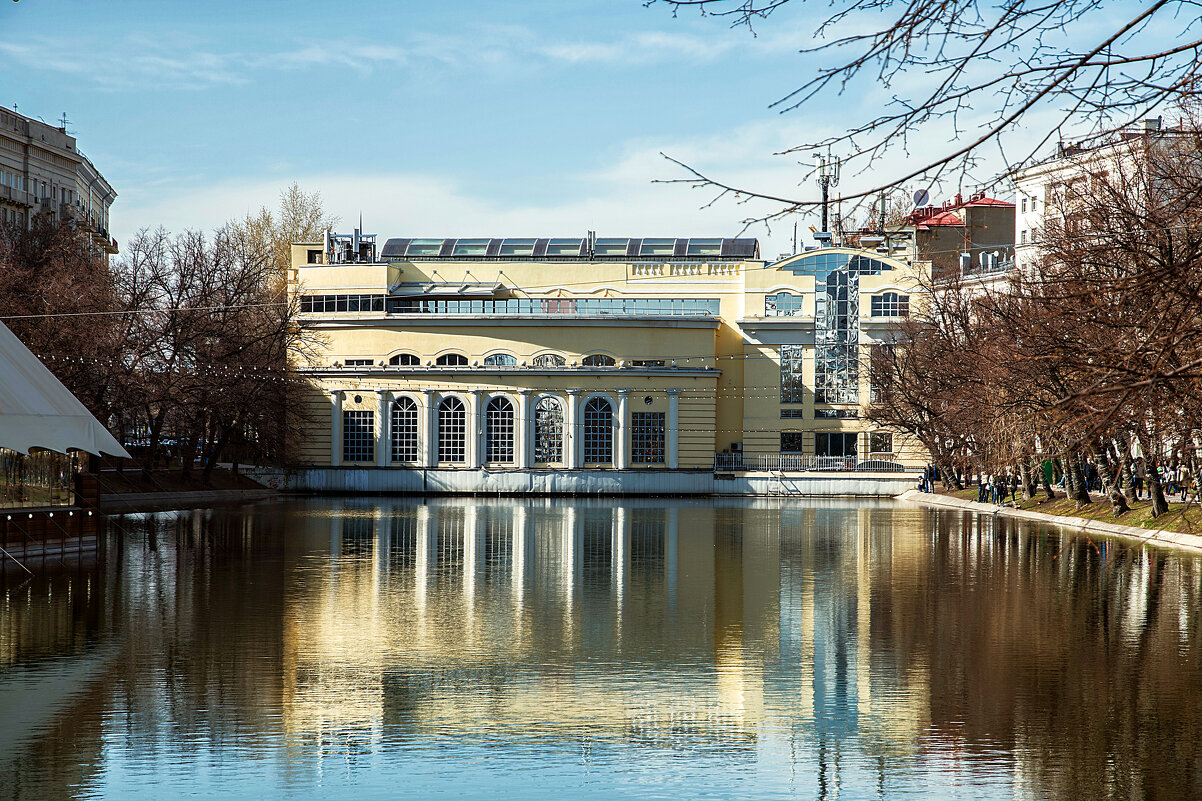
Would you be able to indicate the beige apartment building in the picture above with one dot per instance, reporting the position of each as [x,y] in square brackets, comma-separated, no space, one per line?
[567,358]
[43,172]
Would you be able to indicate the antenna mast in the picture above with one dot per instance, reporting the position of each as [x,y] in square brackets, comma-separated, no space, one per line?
[828,176]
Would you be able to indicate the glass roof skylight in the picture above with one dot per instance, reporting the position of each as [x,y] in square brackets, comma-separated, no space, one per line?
[657,247]
[470,247]
[424,247]
[705,247]
[564,247]
[611,247]
[521,247]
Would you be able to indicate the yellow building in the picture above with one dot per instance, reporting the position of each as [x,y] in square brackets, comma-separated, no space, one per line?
[590,355]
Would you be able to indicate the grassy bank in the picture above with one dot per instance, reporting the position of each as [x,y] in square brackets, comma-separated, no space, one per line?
[1185,518]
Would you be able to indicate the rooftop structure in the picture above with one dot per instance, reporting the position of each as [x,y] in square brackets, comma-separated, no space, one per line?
[968,238]
[571,249]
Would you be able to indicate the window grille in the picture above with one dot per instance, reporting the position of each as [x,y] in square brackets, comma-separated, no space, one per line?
[500,360]
[451,360]
[836,414]
[880,442]
[647,437]
[598,360]
[792,384]
[548,431]
[358,436]
[498,420]
[404,430]
[783,304]
[452,430]
[792,414]
[890,304]
[330,303]
[598,432]
[549,360]
[405,359]
[792,442]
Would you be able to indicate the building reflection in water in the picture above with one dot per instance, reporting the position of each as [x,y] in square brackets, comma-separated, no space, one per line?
[633,622]
[808,649]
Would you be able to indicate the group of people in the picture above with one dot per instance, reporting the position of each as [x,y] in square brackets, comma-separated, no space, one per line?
[994,488]
[1175,479]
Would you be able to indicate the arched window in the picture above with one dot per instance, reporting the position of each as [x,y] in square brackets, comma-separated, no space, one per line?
[405,360]
[452,430]
[500,360]
[598,360]
[549,360]
[890,304]
[451,360]
[598,432]
[783,304]
[404,430]
[498,428]
[548,431]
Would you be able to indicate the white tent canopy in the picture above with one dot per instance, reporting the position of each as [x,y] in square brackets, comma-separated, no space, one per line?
[37,411]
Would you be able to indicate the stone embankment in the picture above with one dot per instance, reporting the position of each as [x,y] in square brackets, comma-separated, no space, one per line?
[1095,528]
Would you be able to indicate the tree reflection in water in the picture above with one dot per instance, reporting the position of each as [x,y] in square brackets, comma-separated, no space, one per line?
[763,648]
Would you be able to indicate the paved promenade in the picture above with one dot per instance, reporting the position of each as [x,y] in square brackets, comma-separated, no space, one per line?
[1130,534]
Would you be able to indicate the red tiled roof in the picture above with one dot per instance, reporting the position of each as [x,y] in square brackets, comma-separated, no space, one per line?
[942,218]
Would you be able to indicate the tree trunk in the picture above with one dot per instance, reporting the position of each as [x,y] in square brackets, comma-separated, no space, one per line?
[1047,484]
[1155,490]
[1080,489]
[1029,481]
[950,480]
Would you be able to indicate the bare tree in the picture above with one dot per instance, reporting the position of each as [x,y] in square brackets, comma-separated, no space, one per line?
[981,71]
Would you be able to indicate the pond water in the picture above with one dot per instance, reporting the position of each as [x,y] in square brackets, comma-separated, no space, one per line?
[553,649]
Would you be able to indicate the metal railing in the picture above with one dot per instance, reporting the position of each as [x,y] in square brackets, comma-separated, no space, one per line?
[796,463]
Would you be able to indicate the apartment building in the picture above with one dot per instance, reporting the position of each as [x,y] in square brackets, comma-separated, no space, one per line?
[591,355]
[43,172]
[1055,184]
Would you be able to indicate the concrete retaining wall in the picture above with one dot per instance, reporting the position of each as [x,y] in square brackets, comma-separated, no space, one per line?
[1130,534]
[580,482]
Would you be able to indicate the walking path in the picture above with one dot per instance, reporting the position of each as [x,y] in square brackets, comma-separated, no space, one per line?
[1167,539]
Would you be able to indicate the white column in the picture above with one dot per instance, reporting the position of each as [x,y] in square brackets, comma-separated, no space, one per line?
[571,451]
[336,430]
[622,457]
[673,434]
[475,430]
[429,429]
[523,439]
[383,421]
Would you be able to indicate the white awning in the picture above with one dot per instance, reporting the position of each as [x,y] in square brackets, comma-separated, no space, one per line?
[37,411]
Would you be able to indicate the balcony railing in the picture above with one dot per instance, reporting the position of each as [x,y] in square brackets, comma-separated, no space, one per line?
[798,463]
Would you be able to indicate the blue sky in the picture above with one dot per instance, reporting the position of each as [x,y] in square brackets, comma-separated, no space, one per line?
[453,118]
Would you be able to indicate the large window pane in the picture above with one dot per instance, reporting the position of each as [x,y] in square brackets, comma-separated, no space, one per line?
[598,432]
[792,384]
[647,437]
[404,430]
[358,435]
[498,426]
[548,431]
[452,430]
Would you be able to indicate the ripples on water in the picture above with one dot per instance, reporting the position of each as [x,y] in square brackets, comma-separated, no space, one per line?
[365,649]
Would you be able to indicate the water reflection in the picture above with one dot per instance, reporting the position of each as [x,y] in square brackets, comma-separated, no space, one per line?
[633,648]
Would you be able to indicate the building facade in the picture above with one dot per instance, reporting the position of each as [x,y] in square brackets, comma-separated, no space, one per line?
[591,354]
[43,172]
[967,238]
[1054,186]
